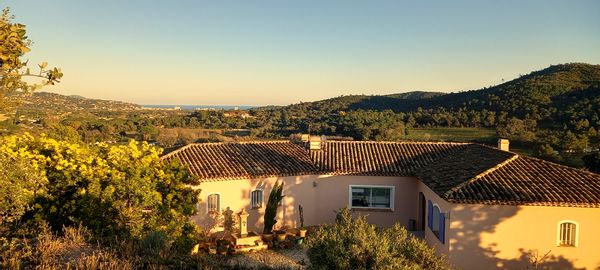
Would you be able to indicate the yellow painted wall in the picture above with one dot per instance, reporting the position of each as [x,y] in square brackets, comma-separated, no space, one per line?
[505,237]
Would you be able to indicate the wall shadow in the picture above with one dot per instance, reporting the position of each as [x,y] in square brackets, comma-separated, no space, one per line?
[471,223]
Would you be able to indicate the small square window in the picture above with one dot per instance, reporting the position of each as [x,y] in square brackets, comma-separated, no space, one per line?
[256,198]
[213,203]
[567,234]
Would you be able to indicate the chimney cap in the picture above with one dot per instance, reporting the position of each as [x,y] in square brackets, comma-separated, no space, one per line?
[315,138]
[503,144]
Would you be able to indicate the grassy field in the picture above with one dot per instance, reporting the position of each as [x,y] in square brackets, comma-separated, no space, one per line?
[483,135]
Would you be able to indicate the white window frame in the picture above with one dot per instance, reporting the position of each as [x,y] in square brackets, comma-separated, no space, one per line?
[392,196]
[262,198]
[558,232]
[207,196]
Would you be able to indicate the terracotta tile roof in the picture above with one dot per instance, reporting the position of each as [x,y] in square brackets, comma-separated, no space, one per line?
[531,181]
[223,161]
[458,172]
[380,158]
[453,171]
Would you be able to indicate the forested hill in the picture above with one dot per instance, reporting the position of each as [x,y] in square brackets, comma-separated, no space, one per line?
[536,93]
[356,102]
[45,101]
[554,108]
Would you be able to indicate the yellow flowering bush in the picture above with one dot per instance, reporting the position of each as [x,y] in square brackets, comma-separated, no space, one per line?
[19,184]
[111,189]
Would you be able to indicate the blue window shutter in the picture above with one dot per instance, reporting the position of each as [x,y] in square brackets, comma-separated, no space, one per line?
[442,227]
[429,214]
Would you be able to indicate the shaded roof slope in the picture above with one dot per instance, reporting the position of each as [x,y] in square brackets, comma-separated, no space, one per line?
[526,180]
[453,171]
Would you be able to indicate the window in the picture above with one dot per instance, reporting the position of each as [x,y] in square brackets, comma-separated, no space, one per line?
[256,198]
[372,197]
[436,220]
[213,203]
[567,234]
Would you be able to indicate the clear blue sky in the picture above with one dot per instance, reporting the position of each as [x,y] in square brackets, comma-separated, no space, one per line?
[281,52]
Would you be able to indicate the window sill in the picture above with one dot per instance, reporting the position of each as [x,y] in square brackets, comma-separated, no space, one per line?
[366,209]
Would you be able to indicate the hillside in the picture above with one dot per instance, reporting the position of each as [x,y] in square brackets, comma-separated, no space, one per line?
[356,102]
[549,111]
[527,94]
[51,102]
[530,94]
[545,95]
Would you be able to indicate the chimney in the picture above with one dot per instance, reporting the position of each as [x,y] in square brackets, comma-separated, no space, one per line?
[315,142]
[503,144]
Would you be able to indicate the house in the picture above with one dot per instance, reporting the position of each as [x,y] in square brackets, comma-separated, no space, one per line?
[484,207]
[236,113]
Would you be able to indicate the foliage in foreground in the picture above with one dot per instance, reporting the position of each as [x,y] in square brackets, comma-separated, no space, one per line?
[75,248]
[353,243]
[114,190]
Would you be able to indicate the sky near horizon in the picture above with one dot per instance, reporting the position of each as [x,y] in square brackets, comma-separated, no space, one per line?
[281,51]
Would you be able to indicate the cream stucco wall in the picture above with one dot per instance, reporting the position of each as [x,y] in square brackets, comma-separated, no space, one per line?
[319,195]
[477,236]
[504,237]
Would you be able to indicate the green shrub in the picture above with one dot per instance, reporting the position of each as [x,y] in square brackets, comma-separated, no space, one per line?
[356,244]
[19,182]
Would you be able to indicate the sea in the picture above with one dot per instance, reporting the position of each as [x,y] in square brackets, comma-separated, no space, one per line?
[199,107]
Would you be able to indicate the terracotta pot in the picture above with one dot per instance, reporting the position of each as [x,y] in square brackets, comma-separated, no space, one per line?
[281,236]
[302,232]
[268,237]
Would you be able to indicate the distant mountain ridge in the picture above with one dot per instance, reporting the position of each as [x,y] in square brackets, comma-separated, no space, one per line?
[537,88]
[530,94]
[62,103]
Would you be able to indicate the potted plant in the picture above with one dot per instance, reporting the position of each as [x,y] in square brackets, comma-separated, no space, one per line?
[302,229]
[302,232]
[268,237]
